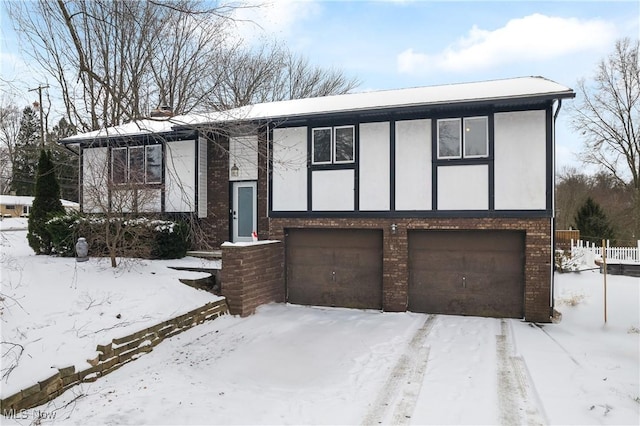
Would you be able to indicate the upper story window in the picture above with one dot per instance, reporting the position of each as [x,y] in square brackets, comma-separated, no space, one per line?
[137,164]
[463,138]
[333,145]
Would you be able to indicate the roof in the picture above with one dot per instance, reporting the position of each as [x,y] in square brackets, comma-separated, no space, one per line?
[450,94]
[24,200]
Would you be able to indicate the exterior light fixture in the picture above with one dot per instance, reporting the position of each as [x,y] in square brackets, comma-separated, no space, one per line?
[394,228]
[235,171]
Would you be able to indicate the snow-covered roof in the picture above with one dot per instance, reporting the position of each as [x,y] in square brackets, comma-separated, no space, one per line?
[23,200]
[450,94]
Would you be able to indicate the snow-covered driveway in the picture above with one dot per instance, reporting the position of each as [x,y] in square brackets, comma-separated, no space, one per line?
[305,365]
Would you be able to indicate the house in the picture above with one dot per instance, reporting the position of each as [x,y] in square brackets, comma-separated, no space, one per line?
[433,199]
[20,206]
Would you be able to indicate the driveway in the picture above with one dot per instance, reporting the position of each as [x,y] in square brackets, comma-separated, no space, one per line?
[304,365]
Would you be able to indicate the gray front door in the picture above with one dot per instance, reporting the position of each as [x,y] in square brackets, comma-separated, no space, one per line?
[244,211]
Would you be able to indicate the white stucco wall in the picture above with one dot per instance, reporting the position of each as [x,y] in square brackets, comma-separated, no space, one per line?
[463,187]
[180,175]
[374,166]
[413,165]
[95,180]
[289,185]
[332,190]
[520,160]
[243,152]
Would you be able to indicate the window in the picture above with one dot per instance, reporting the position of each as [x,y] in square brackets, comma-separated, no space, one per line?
[333,145]
[453,142]
[137,164]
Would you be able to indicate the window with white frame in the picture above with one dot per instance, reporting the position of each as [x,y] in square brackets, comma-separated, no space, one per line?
[463,138]
[137,164]
[333,145]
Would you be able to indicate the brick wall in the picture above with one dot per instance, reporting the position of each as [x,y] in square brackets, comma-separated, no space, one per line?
[395,279]
[252,275]
[216,225]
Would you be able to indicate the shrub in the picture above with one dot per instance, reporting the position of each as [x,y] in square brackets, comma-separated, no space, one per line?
[46,204]
[143,237]
[64,232]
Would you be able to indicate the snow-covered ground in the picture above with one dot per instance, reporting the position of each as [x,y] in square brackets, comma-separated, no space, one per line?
[292,364]
[56,310]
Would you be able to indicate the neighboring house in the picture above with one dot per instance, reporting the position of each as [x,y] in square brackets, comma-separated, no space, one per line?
[434,199]
[20,206]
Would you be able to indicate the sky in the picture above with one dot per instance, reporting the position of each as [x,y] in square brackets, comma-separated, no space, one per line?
[404,43]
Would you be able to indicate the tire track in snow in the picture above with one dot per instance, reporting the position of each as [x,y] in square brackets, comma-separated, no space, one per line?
[515,400]
[400,392]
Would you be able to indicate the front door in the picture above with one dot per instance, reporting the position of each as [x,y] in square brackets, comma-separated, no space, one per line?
[244,213]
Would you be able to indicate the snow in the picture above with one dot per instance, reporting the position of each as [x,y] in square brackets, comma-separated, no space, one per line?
[290,364]
[505,89]
[59,309]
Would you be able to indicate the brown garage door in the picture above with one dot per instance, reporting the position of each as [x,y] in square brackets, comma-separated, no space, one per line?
[467,273]
[334,267]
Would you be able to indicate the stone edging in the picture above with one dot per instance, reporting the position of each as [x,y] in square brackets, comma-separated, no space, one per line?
[112,356]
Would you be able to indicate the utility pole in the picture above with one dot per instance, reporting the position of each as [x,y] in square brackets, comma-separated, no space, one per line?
[39,89]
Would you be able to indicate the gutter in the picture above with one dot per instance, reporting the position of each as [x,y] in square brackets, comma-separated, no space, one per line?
[553,213]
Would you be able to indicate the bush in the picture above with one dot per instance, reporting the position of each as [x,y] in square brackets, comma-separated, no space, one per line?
[170,240]
[63,231]
[144,238]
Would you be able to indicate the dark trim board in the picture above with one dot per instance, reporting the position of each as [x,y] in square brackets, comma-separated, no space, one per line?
[424,214]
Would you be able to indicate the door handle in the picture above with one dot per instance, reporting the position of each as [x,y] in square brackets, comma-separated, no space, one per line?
[333,276]
[464,282]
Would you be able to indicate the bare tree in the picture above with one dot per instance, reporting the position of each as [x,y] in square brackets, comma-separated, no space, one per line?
[270,73]
[607,115]
[113,61]
[116,189]
[9,129]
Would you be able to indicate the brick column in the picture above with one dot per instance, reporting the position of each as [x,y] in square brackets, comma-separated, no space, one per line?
[252,275]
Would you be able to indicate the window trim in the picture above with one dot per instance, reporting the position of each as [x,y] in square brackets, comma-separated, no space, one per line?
[335,144]
[313,146]
[146,166]
[460,147]
[127,175]
[462,138]
[486,137]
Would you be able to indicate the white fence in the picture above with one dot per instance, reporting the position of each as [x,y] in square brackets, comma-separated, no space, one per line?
[614,254]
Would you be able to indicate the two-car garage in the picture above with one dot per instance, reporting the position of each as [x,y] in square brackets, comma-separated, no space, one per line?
[458,272]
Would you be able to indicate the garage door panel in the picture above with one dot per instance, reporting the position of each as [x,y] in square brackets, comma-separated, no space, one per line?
[334,267]
[467,272]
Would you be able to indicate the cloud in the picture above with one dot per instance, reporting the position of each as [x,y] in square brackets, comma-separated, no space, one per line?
[532,38]
[273,17]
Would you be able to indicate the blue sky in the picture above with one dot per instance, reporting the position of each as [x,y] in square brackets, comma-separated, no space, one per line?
[404,43]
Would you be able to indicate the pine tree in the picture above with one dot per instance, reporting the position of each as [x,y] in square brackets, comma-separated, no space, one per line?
[66,162]
[26,154]
[46,205]
[593,223]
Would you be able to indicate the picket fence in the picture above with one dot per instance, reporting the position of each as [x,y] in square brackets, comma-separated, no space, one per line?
[625,254]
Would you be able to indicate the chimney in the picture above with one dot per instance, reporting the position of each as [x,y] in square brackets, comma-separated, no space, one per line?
[162,112]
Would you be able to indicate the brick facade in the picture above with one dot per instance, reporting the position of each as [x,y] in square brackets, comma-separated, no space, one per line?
[395,280]
[253,275]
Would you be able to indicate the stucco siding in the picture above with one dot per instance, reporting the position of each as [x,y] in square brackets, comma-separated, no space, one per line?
[520,160]
[374,166]
[413,165]
[289,185]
